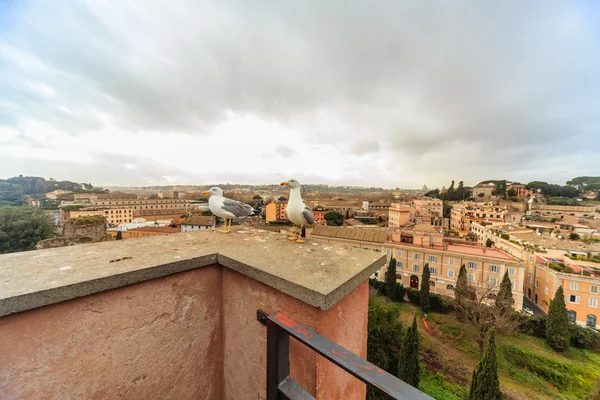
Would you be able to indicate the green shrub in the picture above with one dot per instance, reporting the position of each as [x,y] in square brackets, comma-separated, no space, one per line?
[580,337]
[534,326]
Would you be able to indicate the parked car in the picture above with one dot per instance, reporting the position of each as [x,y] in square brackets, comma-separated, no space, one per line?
[527,310]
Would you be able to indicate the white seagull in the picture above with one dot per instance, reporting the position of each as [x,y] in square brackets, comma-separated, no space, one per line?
[296,211]
[226,208]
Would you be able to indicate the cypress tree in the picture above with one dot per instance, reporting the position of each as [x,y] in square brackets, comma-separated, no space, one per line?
[504,298]
[425,305]
[119,235]
[408,365]
[485,384]
[557,324]
[462,285]
[390,280]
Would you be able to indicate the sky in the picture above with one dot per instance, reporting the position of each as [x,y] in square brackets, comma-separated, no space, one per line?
[385,93]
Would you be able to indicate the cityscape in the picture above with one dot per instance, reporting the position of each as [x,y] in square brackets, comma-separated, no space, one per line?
[345,200]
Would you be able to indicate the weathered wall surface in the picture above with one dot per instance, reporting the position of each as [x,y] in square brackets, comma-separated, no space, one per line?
[245,339]
[74,231]
[157,339]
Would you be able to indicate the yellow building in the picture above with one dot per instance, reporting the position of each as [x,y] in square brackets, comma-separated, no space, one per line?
[113,217]
[142,204]
[401,214]
[413,248]
[582,292]
[275,211]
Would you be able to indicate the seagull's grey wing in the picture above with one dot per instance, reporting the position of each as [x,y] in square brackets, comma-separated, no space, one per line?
[237,208]
[308,215]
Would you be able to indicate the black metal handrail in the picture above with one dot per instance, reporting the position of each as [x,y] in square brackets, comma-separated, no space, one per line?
[281,386]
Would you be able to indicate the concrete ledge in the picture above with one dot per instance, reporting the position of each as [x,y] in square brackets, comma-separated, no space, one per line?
[317,274]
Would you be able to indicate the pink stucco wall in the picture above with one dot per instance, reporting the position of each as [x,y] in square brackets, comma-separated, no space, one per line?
[245,339]
[157,339]
[192,335]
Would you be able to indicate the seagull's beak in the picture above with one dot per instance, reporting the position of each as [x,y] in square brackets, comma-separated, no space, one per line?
[205,193]
[283,183]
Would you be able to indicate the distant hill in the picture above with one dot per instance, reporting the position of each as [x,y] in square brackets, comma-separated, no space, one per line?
[13,190]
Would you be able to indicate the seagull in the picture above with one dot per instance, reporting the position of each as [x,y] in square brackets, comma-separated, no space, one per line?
[226,208]
[296,211]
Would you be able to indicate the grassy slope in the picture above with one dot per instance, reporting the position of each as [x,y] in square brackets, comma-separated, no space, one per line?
[528,368]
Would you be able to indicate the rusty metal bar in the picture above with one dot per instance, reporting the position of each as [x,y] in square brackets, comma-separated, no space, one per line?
[277,357]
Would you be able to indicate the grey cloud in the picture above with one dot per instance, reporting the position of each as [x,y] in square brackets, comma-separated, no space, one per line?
[484,87]
[285,151]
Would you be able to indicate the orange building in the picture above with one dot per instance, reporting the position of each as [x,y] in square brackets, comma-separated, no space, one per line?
[582,292]
[401,215]
[275,211]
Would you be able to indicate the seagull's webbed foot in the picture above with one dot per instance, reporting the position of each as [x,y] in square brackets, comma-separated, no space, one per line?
[295,236]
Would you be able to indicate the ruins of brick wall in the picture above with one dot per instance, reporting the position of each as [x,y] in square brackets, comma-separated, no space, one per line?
[78,230]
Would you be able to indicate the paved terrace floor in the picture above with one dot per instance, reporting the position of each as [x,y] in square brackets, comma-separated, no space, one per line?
[314,273]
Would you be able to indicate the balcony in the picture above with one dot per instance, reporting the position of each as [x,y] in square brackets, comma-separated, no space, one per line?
[175,317]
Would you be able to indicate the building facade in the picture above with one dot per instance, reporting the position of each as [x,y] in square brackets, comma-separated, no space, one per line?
[275,211]
[401,215]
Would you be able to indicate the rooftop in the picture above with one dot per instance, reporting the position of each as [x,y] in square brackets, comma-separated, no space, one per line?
[316,274]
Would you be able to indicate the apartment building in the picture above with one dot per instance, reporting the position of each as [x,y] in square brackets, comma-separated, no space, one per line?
[422,244]
[275,211]
[401,215]
[142,204]
[484,190]
[463,215]
[434,206]
[557,211]
[113,217]
[522,192]
[580,282]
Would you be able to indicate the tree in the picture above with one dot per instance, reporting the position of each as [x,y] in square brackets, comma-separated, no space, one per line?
[485,384]
[334,218]
[450,195]
[257,197]
[557,325]
[282,198]
[119,235]
[446,210]
[425,305]
[384,339]
[347,214]
[472,304]
[489,243]
[408,366]
[512,193]
[207,213]
[504,299]
[461,193]
[480,194]
[461,291]
[390,280]
[22,227]
[574,236]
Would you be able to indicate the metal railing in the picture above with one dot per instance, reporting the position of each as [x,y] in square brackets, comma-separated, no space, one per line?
[281,386]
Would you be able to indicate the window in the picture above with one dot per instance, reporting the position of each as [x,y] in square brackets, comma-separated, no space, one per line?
[546,290]
[399,264]
[450,288]
[537,272]
[387,251]
[493,281]
[593,302]
[432,259]
[573,299]
[471,277]
[450,274]
[416,256]
[574,285]
[537,283]
[494,268]
[593,289]
[432,270]
[472,264]
[513,285]
[511,271]
[547,278]
[572,315]
[416,267]
[399,253]
[529,279]
[451,261]
[432,283]
[590,320]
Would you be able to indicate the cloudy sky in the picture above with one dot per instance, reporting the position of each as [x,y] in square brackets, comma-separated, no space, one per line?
[386,93]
